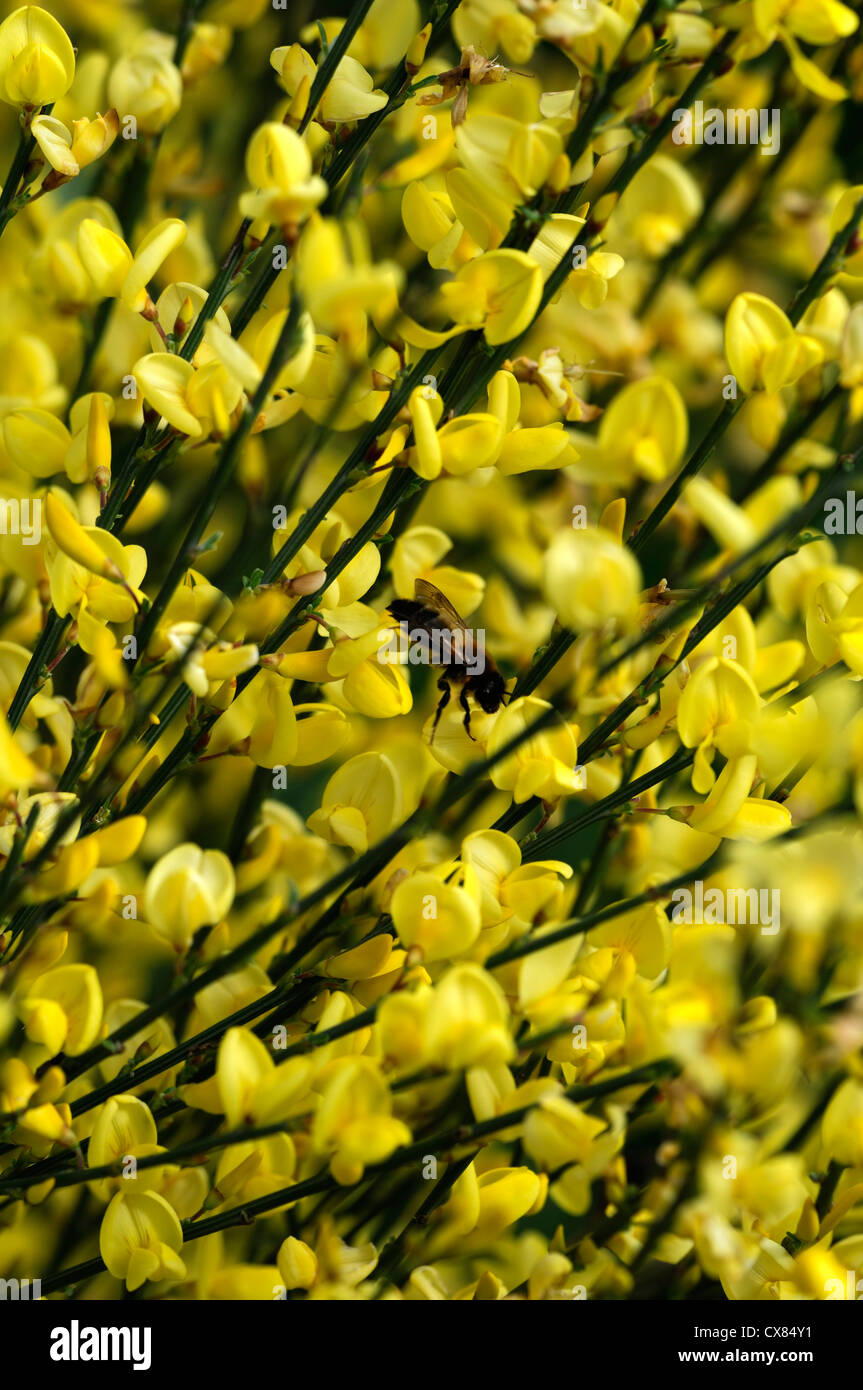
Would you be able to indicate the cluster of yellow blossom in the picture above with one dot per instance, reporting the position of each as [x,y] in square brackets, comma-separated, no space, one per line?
[521,964]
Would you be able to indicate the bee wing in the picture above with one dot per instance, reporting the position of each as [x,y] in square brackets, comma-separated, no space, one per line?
[432,598]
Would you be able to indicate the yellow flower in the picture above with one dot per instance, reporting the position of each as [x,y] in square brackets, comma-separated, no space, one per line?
[36,441]
[543,765]
[370,682]
[105,257]
[731,526]
[63,1009]
[587,283]
[511,893]
[37,61]
[439,919]
[155,247]
[505,1196]
[340,284]
[279,166]
[124,1128]
[115,272]
[431,223]
[816,22]
[731,813]
[196,401]
[361,803]
[468,1020]
[252,1089]
[256,1169]
[493,24]
[460,446]
[147,85]
[55,142]
[499,292]
[719,696]
[41,1121]
[91,569]
[49,806]
[851,356]
[642,434]
[642,935]
[261,720]
[70,151]
[842,1125]
[353,1123]
[524,449]
[188,888]
[659,206]
[590,578]
[248,366]
[509,157]
[16,771]
[91,139]
[140,1238]
[761,346]
[89,452]
[244,1283]
[557,1132]
[350,94]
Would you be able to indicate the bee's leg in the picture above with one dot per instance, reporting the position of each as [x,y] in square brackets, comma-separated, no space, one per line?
[463,701]
[444,686]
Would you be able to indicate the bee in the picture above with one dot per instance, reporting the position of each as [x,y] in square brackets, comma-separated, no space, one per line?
[432,612]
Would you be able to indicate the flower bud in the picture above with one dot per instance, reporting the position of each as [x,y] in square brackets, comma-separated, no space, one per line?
[417,50]
[298,1265]
[299,103]
[80,465]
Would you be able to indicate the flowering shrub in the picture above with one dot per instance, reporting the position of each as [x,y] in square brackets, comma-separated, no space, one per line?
[330,968]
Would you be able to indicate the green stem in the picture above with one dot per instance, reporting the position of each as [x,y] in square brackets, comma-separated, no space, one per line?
[217,292]
[288,342]
[20,160]
[336,51]
[800,302]
[45,649]
[193,1149]
[638,158]
[827,266]
[790,436]
[827,1189]
[457,1136]
[91,347]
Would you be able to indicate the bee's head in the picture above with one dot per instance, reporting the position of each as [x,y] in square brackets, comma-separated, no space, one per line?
[490,691]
